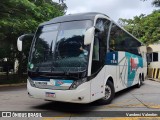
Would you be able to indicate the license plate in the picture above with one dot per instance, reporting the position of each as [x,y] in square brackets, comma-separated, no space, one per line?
[49,94]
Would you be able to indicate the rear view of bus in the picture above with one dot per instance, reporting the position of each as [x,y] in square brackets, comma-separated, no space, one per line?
[72,59]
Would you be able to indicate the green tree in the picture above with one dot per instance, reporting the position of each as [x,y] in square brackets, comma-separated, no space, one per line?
[155,3]
[145,28]
[18,17]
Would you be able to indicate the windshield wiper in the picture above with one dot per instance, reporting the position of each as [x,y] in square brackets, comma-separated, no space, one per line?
[58,74]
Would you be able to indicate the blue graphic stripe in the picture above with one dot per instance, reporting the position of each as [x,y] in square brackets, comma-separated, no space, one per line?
[134,62]
[133,66]
[112,58]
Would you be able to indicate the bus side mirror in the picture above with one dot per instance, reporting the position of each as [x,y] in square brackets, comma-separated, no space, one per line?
[21,38]
[89,36]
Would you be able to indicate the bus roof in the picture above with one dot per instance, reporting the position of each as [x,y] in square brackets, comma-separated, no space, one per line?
[81,16]
[73,17]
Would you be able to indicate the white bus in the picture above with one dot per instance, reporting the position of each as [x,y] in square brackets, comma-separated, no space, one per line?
[82,58]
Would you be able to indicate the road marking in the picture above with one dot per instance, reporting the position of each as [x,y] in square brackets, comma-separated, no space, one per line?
[52,118]
[152,105]
[132,118]
[55,118]
[148,105]
[121,105]
[115,118]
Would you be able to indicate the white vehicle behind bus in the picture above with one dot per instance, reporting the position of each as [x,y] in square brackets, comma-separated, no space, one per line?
[82,58]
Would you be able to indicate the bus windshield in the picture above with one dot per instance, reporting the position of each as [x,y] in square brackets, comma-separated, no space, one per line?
[60,48]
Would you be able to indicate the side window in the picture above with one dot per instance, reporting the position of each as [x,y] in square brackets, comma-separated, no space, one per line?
[155,57]
[116,42]
[152,57]
[122,41]
[103,26]
[131,44]
[100,24]
[100,43]
[96,50]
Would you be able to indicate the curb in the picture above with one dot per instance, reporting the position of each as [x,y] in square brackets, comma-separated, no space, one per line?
[13,85]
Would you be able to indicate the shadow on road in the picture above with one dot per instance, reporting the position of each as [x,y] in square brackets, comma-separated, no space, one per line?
[13,88]
[125,91]
[77,108]
[66,107]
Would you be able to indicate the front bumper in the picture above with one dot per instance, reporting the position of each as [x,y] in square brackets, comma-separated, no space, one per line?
[80,95]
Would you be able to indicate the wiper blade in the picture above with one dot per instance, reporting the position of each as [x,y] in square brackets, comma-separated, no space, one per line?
[78,73]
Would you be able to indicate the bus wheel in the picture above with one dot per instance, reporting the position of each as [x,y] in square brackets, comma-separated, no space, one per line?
[139,82]
[109,93]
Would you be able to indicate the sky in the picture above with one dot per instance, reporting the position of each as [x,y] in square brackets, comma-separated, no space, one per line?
[115,9]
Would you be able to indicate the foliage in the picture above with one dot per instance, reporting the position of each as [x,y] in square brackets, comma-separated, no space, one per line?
[146,28]
[155,3]
[18,17]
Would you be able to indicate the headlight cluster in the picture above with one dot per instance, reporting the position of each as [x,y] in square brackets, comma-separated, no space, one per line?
[31,82]
[76,83]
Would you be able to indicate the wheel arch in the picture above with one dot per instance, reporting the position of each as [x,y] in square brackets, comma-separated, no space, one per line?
[112,88]
[109,78]
[143,77]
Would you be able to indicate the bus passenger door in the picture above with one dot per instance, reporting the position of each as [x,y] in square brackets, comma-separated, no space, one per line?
[97,71]
[98,58]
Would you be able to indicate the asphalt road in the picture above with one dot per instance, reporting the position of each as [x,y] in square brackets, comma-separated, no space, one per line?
[146,98]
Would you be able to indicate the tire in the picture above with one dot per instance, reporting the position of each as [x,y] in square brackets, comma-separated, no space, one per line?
[109,93]
[142,78]
[139,82]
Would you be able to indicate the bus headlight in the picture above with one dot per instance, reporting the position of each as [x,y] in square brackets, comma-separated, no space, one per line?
[31,82]
[76,83]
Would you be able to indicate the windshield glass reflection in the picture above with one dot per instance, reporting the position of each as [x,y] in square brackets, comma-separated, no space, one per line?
[60,48]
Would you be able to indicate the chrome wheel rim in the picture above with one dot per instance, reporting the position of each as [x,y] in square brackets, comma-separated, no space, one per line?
[107,92]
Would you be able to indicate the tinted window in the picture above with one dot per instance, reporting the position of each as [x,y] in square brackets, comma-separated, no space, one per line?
[122,41]
[60,47]
[100,44]
[155,57]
